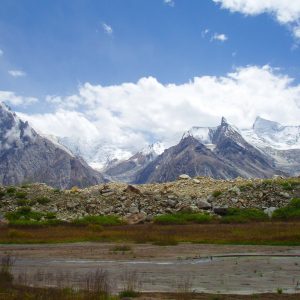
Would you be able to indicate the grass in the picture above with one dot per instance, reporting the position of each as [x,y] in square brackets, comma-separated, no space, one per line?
[236,215]
[289,212]
[268,233]
[98,220]
[11,190]
[121,248]
[20,195]
[42,200]
[183,218]
[25,216]
[128,294]
[216,194]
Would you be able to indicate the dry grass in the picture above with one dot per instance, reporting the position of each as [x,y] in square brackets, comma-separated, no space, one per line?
[269,233]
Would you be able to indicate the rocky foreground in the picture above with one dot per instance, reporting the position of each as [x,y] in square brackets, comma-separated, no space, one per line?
[140,203]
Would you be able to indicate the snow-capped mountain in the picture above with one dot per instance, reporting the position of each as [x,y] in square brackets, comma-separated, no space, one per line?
[26,156]
[98,155]
[280,143]
[126,170]
[219,152]
[265,133]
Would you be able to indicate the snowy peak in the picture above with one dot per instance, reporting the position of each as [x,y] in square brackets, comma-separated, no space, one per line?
[154,149]
[263,125]
[13,131]
[272,134]
[202,134]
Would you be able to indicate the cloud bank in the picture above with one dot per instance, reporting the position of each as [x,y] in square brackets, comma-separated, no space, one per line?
[286,12]
[16,100]
[131,115]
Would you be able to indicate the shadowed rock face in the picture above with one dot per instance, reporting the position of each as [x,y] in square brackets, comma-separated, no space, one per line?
[231,157]
[188,157]
[246,159]
[25,156]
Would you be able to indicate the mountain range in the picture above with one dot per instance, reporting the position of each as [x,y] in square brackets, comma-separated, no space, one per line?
[223,152]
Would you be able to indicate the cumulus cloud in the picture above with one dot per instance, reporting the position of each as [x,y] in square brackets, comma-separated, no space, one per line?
[221,37]
[16,73]
[286,12]
[130,115]
[170,2]
[16,100]
[107,29]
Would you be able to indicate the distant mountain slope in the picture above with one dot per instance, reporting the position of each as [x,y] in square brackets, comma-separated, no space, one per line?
[25,156]
[219,152]
[188,157]
[280,143]
[126,170]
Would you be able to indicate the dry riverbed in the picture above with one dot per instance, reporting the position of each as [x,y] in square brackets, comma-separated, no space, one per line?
[200,268]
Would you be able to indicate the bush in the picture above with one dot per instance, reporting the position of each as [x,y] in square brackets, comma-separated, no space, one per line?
[289,212]
[22,202]
[24,216]
[183,218]
[121,248]
[21,195]
[42,200]
[128,294]
[2,194]
[11,190]
[237,215]
[216,194]
[100,220]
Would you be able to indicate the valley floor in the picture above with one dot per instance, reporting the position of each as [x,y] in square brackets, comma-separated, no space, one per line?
[224,269]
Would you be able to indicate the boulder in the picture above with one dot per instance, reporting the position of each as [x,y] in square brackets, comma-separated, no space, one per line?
[184,177]
[203,204]
[270,210]
[133,189]
[136,218]
[222,211]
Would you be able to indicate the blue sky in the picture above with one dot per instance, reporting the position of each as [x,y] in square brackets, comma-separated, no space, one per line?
[60,44]
[130,72]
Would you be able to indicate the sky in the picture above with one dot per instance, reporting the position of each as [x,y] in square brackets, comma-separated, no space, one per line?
[132,72]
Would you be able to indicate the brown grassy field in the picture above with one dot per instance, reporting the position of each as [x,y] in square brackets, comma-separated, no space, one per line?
[265,233]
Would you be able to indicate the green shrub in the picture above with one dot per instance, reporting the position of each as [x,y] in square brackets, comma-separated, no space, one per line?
[42,200]
[183,218]
[289,212]
[121,248]
[50,216]
[22,202]
[128,294]
[21,195]
[246,186]
[237,215]
[2,194]
[287,186]
[216,194]
[11,190]
[100,220]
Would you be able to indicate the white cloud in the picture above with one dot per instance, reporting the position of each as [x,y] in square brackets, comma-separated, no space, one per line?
[107,29]
[131,114]
[17,73]
[16,100]
[221,37]
[286,12]
[205,32]
[170,2]
[1,52]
